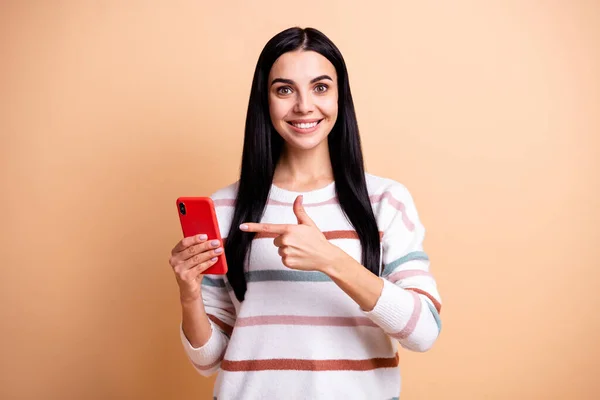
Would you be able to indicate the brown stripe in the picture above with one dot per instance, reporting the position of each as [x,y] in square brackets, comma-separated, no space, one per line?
[230,310]
[329,235]
[227,329]
[436,304]
[309,365]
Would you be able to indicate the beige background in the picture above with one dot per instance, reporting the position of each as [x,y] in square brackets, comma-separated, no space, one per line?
[111,109]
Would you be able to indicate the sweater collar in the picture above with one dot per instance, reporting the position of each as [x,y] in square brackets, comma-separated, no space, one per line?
[313,196]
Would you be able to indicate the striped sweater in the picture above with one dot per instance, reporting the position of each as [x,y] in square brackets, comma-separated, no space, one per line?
[297,335]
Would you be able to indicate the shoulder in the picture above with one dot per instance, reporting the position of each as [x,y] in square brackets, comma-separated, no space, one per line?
[381,188]
[225,193]
[392,203]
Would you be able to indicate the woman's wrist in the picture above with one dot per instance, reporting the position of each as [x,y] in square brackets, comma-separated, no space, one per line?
[336,262]
[190,300]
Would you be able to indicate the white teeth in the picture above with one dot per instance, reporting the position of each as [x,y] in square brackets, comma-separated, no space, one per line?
[306,126]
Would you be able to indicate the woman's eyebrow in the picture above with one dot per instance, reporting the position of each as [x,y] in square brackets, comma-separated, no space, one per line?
[282,80]
[291,82]
[320,78]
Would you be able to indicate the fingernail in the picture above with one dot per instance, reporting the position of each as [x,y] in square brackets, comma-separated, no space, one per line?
[219,250]
[214,259]
[214,243]
[244,227]
[202,237]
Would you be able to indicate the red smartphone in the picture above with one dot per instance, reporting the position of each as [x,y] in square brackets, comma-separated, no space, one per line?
[197,215]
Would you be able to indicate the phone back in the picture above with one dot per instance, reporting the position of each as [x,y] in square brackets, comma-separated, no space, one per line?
[197,215]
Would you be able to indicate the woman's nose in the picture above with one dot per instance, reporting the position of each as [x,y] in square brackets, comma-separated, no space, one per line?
[304,104]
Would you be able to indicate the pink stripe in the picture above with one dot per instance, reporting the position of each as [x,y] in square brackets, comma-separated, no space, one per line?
[273,202]
[224,202]
[412,321]
[210,366]
[397,204]
[396,276]
[436,302]
[303,320]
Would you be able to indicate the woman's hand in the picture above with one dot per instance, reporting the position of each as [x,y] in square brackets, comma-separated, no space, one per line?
[302,246]
[189,259]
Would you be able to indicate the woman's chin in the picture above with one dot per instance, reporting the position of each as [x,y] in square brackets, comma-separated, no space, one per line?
[304,144]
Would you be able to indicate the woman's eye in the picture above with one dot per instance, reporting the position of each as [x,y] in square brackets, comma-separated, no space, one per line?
[321,88]
[284,90]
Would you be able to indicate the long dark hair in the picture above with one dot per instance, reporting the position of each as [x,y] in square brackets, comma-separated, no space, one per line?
[263,147]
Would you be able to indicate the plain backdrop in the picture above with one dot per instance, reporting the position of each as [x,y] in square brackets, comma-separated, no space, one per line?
[487,111]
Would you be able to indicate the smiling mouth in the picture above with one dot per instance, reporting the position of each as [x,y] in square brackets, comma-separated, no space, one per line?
[304,124]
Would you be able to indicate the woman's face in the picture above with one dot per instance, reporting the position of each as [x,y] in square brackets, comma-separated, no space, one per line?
[303,98]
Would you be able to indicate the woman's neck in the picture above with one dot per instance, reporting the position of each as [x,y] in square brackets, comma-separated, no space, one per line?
[303,170]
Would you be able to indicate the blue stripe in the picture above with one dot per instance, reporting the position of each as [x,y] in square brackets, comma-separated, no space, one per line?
[271,275]
[220,283]
[412,256]
[286,275]
[436,315]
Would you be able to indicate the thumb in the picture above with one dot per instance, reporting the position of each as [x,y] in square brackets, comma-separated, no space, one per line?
[301,214]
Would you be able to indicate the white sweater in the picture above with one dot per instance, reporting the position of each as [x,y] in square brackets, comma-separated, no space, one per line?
[297,335]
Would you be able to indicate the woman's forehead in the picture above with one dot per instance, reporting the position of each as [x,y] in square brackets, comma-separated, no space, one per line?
[301,66]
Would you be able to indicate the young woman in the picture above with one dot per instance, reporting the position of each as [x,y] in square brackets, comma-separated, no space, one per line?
[327,272]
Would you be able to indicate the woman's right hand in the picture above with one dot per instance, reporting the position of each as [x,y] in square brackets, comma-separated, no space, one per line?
[189,259]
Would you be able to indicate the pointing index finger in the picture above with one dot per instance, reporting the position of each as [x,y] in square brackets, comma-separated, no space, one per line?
[264,228]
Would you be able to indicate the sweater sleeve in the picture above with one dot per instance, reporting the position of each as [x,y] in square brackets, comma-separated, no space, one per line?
[221,313]
[409,305]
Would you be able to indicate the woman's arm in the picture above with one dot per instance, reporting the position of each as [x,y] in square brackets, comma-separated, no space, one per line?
[404,314]
[207,324]
[357,281]
[195,322]
[405,301]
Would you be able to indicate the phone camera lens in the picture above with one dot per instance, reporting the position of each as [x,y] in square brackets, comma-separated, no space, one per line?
[182,208]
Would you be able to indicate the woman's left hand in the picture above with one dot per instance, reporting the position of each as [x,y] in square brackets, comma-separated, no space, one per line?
[302,246]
